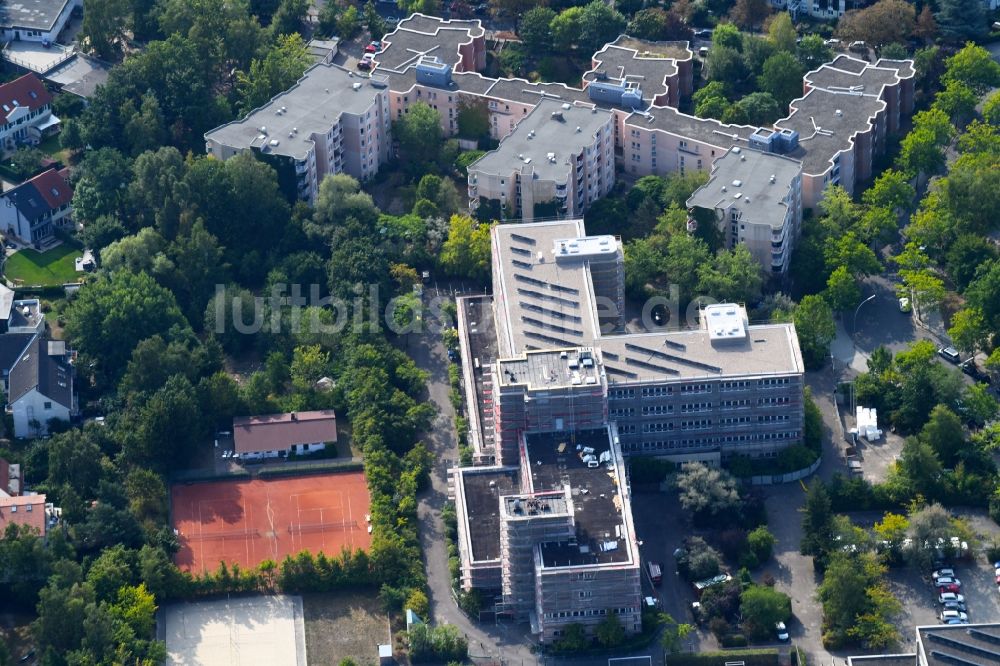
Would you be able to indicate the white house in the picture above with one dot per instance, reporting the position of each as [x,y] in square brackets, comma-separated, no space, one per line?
[275,435]
[33,210]
[37,20]
[25,112]
[41,388]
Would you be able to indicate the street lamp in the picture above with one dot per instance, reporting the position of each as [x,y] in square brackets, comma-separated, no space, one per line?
[854,328]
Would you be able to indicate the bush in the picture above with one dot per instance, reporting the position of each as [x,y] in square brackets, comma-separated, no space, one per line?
[438,644]
[418,603]
[699,560]
[733,640]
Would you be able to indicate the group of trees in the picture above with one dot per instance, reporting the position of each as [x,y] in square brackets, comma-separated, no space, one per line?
[739,610]
[752,79]
[585,27]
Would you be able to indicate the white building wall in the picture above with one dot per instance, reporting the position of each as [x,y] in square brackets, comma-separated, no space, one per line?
[32,406]
[11,34]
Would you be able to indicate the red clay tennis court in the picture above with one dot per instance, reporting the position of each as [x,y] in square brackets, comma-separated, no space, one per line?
[249,521]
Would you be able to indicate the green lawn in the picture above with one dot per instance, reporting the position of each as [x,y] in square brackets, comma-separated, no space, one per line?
[51,268]
[51,147]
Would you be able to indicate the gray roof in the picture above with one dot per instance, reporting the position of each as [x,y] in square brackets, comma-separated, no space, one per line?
[37,368]
[640,61]
[32,14]
[827,122]
[80,75]
[869,80]
[12,345]
[527,92]
[760,201]
[551,128]
[311,106]
[596,513]
[420,34]
[706,130]
[973,644]
[904,67]
[550,304]
[482,488]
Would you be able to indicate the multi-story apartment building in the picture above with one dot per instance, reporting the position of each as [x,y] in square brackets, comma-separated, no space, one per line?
[559,391]
[332,121]
[754,198]
[557,161]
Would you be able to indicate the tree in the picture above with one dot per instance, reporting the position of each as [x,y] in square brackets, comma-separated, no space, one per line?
[991,109]
[926,28]
[566,28]
[707,491]
[288,18]
[759,108]
[813,51]
[348,23]
[885,22]
[419,133]
[609,631]
[960,20]
[111,314]
[761,542]
[165,429]
[648,23]
[968,330]
[814,325]
[674,634]
[973,66]
[725,65]
[277,71]
[473,117]
[979,405]
[927,526]
[921,153]
[957,100]
[309,364]
[920,467]
[699,560]
[103,27]
[817,523]
[727,35]
[732,276]
[748,14]
[377,26]
[781,33]
[26,162]
[762,607]
[535,28]
[891,530]
[466,253]
[782,77]
[944,433]
[599,24]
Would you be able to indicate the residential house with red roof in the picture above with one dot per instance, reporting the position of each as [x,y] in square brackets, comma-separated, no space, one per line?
[30,510]
[33,210]
[25,112]
[276,435]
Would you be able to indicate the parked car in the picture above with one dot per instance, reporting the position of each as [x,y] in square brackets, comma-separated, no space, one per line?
[956,620]
[781,631]
[949,587]
[858,47]
[703,33]
[832,42]
[945,597]
[373,47]
[947,580]
[943,572]
[953,615]
[949,354]
[954,605]
[970,368]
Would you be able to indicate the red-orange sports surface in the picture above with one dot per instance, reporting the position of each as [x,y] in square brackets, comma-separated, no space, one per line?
[249,521]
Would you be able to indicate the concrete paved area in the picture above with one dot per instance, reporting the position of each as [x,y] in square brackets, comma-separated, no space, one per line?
[253,631]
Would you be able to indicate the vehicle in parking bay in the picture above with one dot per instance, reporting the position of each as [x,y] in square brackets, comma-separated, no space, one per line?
[950,587]
[949,354]
[954,605]
[947,580]
[945,597]
[953,615]
[781,630]
[940,573]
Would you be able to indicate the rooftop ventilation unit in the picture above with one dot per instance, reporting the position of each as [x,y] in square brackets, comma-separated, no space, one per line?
[577,128]
[557,115]
[839,113]
[565,106]
[737,183]
[772,179]
[356,85]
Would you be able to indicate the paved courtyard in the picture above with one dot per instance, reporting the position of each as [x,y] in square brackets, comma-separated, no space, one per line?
[252,631]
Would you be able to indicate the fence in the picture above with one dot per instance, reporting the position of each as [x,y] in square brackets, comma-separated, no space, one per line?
[772,479]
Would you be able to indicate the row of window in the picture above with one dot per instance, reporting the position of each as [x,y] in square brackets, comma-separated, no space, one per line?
[658,445]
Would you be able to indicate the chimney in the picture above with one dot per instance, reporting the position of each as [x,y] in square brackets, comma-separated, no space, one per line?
[294,417]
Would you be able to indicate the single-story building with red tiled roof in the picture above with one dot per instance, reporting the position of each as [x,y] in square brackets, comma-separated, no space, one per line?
[276,435]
